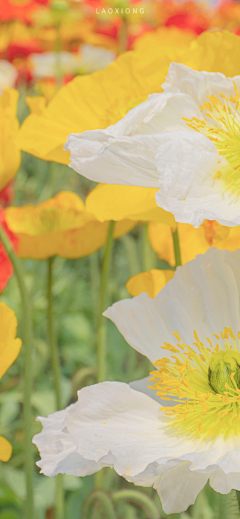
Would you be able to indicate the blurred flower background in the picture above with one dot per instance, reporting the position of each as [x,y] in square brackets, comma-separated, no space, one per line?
[77,247]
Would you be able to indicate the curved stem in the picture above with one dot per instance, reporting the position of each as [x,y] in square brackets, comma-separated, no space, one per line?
[176,246]
[27,352]
[140,499]
[59,507]
[101,331]
[105,502]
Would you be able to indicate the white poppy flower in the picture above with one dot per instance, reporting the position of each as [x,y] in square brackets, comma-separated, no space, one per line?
[8,75]
[184,141]
[179,427]
[89,59]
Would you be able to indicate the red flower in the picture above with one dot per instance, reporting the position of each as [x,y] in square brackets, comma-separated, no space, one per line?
[11,10]
[7,195]
[6,269]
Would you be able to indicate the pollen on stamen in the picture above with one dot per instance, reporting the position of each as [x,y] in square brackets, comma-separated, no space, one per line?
[184,378]
[221,124]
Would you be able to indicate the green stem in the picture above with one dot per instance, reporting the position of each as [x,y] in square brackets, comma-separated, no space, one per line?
[101,325]
[27,352]
[101,331]
[147,251]
[176,246]
[105,502]
[59,507]
[52,338]
[140,499]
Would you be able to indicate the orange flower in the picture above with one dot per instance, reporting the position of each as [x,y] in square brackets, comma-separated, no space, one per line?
[60,226]
[192,241]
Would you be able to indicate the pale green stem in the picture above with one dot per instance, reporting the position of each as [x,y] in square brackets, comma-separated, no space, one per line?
[176,246]
[27,352]
[101,324]
[106,504]
[147,251]
[59,506]
[101,332]
[95,283]
[140,499]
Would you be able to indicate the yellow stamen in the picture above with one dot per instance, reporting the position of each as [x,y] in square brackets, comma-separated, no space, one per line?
[204,384]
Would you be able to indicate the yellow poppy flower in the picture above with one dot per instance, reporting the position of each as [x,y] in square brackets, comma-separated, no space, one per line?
[151,282]
[192,241]
[169,37]
[9,350]
[10,156]
[113,202]
[60,226]
[90,102]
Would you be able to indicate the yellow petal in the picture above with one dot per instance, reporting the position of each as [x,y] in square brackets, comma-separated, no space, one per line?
[60,226]
[10,156]
[111,202]
[89,102]
[151,282]
[5,449]
[217,51]
[36,104]
[9,345]
[192,241]
[169,37]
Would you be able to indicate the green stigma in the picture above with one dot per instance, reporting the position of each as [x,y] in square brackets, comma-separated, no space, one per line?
[224,368]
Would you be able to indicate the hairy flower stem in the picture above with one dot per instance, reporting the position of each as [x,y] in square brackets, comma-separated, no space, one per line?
[176,246]
[141,499]
[27,352]
[105,503]
[59,507]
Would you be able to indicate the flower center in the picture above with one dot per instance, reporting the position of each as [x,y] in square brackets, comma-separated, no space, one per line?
[224,368]
[221,124]
[204,383]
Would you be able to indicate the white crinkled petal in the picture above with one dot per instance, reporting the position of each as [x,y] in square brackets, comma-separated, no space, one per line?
[114,425]
[204,295]
[179,487]
[124,153]
[224,483]
[196,84]
[187,163]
